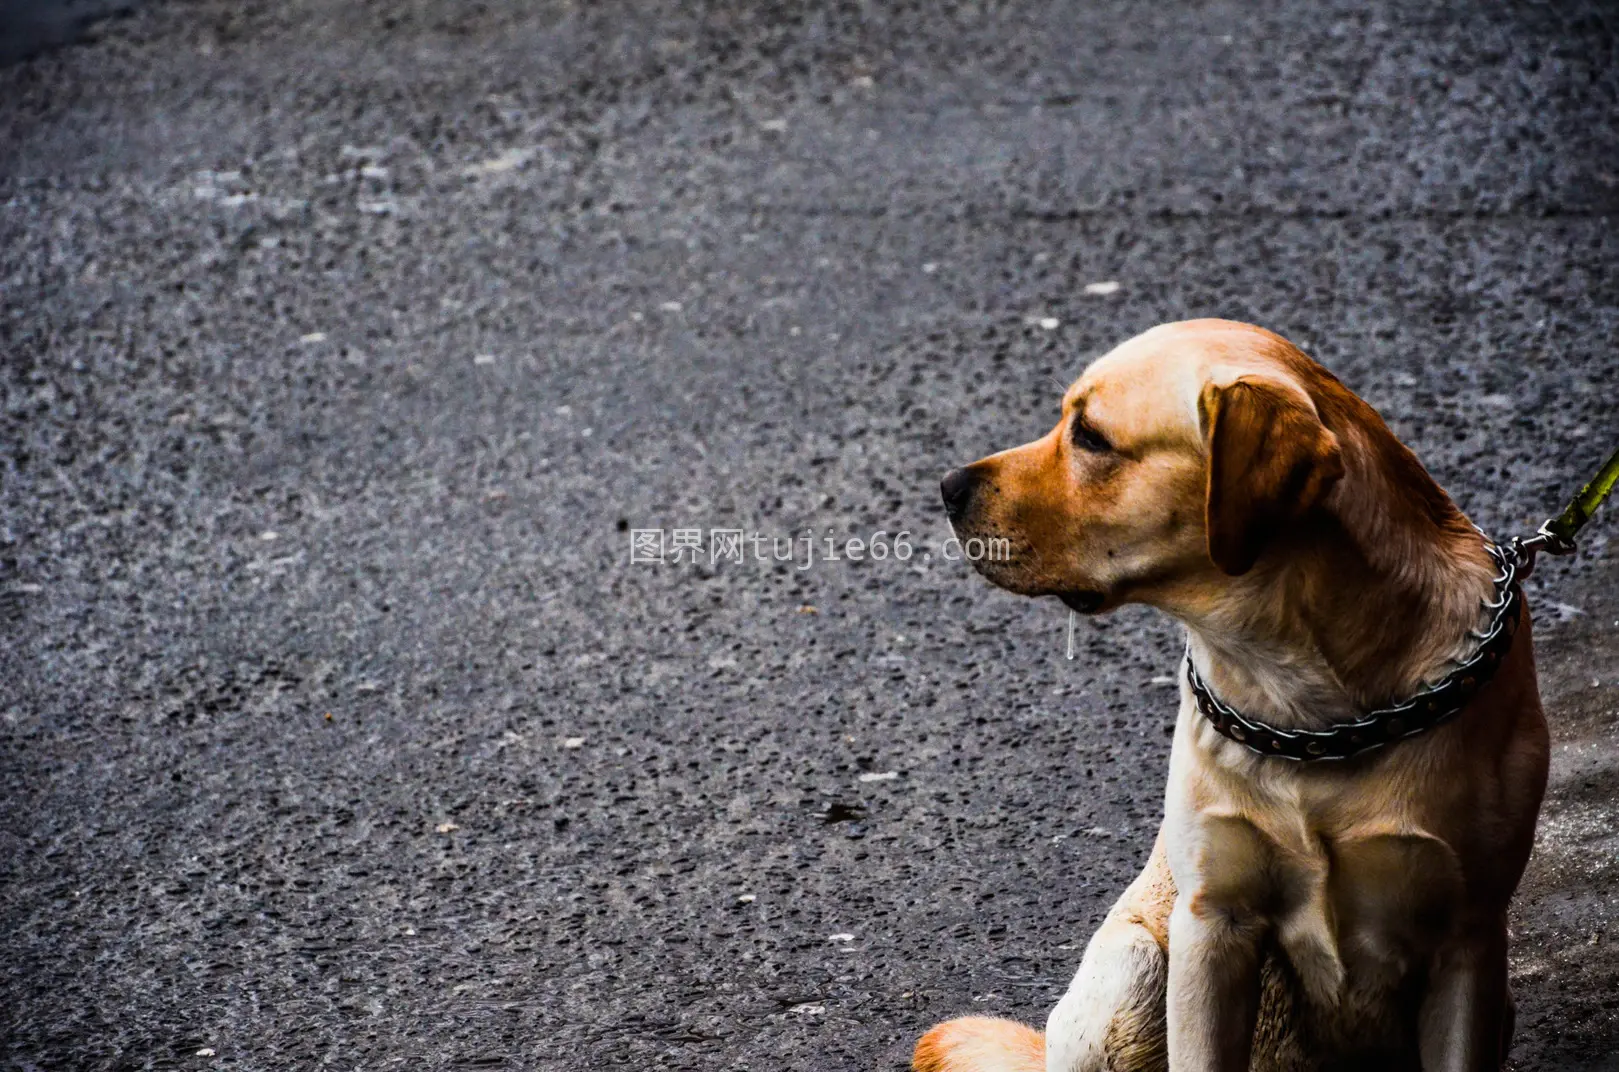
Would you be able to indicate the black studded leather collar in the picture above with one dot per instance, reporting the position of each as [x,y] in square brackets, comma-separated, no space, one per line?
[1436,704]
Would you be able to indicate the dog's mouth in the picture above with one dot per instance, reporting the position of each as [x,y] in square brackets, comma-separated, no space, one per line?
[1085,602]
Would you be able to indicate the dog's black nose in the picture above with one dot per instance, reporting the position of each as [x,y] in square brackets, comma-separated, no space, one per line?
[957,491]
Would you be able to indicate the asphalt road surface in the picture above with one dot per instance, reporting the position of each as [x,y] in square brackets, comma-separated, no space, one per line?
[343,343]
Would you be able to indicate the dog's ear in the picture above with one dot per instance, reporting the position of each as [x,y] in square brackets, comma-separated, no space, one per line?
[1271,460]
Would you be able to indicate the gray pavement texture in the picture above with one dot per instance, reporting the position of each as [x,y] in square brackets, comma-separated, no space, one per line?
[28,27]
[342,342]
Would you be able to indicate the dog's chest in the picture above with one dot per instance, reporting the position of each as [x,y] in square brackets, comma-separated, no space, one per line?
[1359,909]
[1356,912]
[1355,897]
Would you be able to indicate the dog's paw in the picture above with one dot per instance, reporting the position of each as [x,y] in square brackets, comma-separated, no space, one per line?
[980,1044]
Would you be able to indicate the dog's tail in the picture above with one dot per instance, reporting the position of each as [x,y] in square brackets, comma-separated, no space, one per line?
[980,1044]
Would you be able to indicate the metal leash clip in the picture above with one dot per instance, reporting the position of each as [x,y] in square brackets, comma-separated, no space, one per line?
[1556,536]
[1524,551]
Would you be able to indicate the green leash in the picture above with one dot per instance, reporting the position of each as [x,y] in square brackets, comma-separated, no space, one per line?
[1556,537]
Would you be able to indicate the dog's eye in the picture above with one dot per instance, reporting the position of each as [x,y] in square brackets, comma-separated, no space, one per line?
[1088,438]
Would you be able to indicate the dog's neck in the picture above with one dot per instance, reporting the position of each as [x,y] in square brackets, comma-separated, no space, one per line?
[1357,609]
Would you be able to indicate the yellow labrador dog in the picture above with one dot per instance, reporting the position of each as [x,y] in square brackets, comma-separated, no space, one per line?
[1360,751]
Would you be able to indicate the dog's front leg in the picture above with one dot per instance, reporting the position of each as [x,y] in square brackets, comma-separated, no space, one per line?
[1214,955]
[1464,1021]
[1112,1016]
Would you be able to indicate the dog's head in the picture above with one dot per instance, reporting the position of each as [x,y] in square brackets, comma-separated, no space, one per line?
[1180,457]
